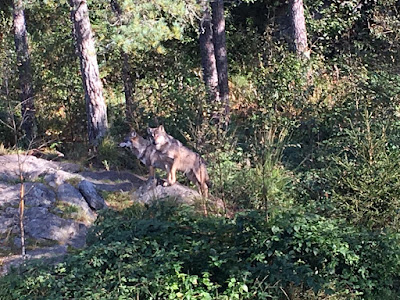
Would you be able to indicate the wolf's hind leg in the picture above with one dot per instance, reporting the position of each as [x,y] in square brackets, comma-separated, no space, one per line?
[169,176]
[151,172]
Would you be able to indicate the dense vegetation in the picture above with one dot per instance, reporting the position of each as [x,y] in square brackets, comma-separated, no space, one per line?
[169,252]
[308,167]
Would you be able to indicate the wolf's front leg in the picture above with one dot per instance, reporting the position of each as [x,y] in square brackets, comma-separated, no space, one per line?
[168,169]
[171,175]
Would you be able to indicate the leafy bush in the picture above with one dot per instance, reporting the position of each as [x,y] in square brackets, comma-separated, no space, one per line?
[169,252]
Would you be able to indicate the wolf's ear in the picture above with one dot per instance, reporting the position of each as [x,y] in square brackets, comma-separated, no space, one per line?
[161,128]
[149,130]
[133,134]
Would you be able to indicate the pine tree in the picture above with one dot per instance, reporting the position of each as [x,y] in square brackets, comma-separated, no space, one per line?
[299,31]
[25,71]
[96,109]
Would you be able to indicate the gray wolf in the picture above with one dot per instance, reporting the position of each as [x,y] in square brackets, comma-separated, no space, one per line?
[147,153]
[183,159]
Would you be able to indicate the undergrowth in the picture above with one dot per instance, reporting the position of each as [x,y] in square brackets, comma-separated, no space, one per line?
[168,251]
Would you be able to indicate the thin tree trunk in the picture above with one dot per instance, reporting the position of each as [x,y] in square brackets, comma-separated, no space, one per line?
[218,22]
[96,109]
[25,71]
[299,30]
[208,62]
[129,84]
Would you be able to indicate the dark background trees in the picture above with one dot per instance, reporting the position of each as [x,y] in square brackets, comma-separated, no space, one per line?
[24,70]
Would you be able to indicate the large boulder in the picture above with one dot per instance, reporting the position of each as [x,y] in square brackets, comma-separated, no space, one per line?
[38,194]
[92,197]
[151,191]
[31,167]
[68,194]
[55,178]
[40,224]
[6,224]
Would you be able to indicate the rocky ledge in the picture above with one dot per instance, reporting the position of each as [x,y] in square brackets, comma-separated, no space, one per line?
[61,201]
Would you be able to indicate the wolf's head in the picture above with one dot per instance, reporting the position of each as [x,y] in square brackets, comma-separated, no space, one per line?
[158,135]
[132,141]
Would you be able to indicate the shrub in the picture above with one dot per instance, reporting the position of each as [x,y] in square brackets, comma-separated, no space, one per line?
[364,176]
[170,252]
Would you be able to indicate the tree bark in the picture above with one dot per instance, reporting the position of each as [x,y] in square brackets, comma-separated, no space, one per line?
[218,22]
[25,71]
[299,30]
[129,84]
[96,109]
[207,53]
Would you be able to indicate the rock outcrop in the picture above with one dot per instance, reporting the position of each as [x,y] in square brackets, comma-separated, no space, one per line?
[152,190]
[61,202]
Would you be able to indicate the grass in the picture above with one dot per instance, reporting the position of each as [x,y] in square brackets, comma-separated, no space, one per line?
[32,244]
[69,211]
[117,200]
[74,181]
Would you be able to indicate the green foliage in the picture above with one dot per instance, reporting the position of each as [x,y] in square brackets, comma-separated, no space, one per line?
[142,26]
[364,176]
[111,157]
[256,179]
[169,252]
[117,200]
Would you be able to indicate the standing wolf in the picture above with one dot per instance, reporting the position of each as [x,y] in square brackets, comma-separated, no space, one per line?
[146,152]
[182,158]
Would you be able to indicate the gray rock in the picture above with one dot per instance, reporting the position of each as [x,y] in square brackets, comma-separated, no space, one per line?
[69,167]
[41,224]
[9,195]
[113,181]
[3,186]
[57,177]
[91,196]
[6,224]
[38,194]
[152,191]
[79,240]
[50,255]
[11,212]
[32,167]
[68,194]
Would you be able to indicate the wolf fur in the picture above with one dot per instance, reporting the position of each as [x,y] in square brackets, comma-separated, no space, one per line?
[183,159]
[147,153]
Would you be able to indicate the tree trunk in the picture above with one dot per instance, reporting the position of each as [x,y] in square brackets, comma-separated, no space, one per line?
[218,22]
[25,71]
[208,62]
[129,84]
[96,109]
[299,30]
